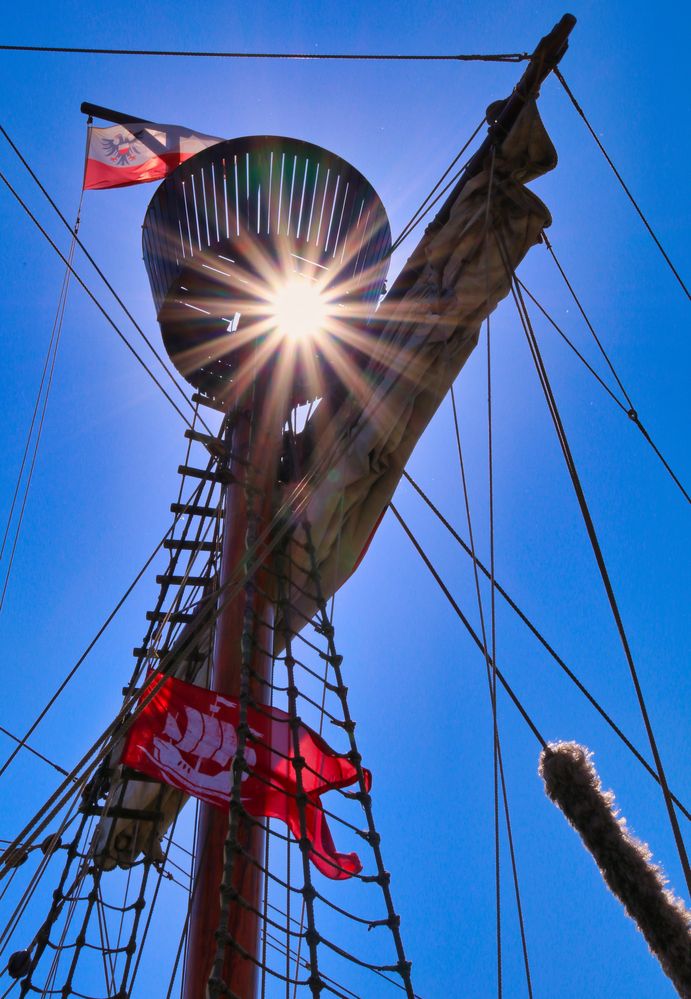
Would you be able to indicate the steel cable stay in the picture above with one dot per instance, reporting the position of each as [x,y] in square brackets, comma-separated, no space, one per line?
[51,201]
[621,181]
[30,749]
[545,644]
[466,623]
[591,328]
[551,320]
[526,324]
[497,762]
[511,57]
[30,432]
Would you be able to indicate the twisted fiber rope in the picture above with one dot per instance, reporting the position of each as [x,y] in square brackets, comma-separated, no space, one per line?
[572,783]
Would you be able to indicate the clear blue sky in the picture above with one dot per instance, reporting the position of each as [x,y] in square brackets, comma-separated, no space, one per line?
[107,467]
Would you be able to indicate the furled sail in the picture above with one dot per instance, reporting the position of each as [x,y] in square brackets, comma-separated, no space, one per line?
[428,335]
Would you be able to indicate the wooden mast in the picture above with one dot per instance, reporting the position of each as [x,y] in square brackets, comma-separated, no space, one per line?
[254,442]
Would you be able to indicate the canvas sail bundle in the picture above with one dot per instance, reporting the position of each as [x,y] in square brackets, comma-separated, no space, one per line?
[428,334]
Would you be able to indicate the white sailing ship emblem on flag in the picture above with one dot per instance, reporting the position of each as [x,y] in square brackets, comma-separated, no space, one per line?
[197,751]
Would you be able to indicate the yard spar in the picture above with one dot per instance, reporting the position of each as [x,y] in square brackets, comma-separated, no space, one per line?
[267,258]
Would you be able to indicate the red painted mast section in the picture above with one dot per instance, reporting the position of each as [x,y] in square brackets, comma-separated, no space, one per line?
[254,443]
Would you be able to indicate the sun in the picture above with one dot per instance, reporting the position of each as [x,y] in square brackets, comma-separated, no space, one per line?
[298,309]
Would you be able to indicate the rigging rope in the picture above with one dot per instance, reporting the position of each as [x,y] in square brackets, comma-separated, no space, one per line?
[599,557]
[497,760]
[383,878]
[322,713]
[24,745]
[493,671]
[189,505]
[466,623]
[88,649]
[543,641]
[619,177]
[93,298]
[629,409]
[303,56]
[96,267]
[40,406]
[426,207]
[491,678]
[624,862]
[298,763]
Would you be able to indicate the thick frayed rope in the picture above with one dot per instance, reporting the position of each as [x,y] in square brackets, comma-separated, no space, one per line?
[625,863]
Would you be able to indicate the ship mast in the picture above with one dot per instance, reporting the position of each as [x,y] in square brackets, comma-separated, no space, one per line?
[254,441]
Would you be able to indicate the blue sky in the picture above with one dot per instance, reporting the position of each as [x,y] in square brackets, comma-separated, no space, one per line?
[107,466]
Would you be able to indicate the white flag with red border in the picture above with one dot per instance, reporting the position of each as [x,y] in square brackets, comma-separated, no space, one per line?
[121,155]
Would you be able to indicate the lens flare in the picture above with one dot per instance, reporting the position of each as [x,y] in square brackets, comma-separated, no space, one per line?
[298,309]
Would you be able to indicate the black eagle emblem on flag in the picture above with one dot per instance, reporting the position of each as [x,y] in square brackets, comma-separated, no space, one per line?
[121,151]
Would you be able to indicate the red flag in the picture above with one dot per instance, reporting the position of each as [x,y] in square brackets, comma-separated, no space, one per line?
[186,736]
[141,151]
